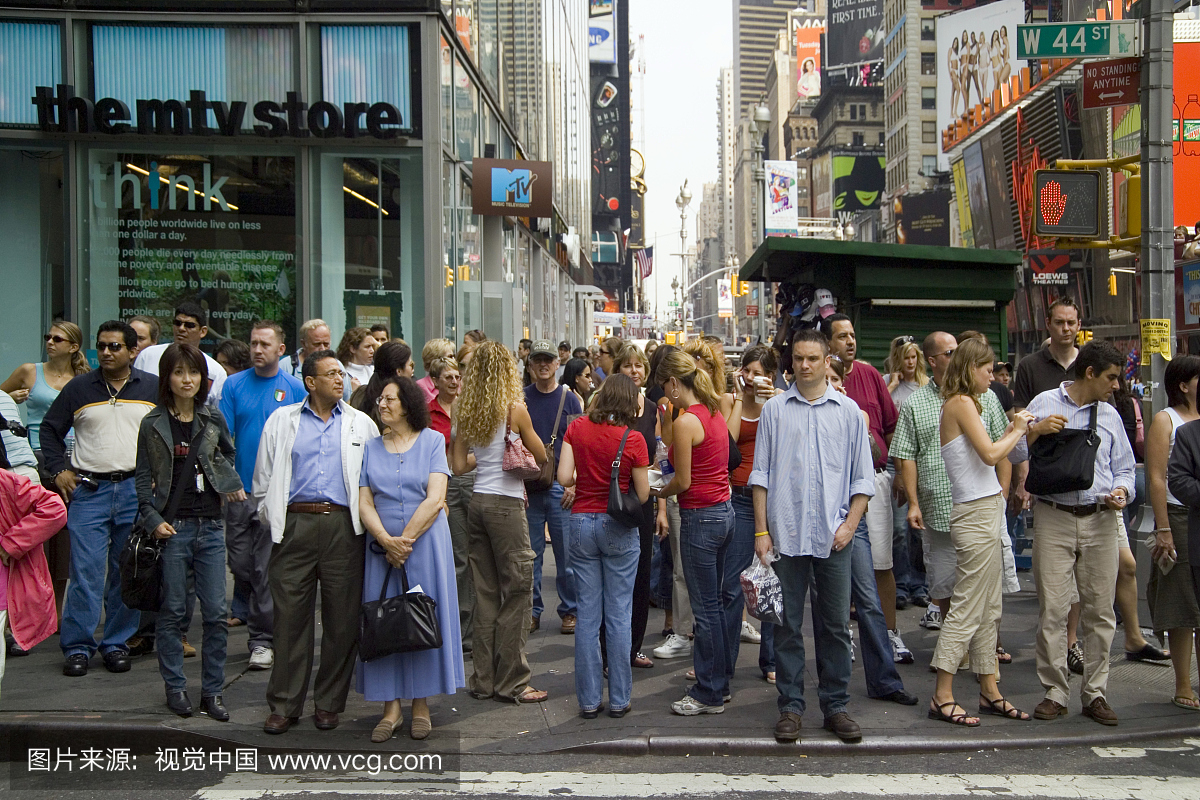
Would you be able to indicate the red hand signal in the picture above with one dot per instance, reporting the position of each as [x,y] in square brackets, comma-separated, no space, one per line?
[1053,202]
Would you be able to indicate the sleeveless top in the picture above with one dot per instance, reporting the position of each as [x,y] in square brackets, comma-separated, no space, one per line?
[710,462]
[970,478]
[745,444]
[1176,421]
[36,405]
[490,477]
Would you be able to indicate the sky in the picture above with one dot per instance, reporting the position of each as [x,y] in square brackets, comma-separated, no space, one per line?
[686,44]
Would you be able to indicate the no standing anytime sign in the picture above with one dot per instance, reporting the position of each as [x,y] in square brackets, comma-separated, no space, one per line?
[1111,83]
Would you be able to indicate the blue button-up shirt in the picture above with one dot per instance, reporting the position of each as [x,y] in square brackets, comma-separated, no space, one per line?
[317,459]
[811,457]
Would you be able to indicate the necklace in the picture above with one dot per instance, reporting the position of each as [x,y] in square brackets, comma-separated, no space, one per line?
[112,396]
[399,442]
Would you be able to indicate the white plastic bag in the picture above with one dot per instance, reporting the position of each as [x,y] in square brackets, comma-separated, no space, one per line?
[764,595]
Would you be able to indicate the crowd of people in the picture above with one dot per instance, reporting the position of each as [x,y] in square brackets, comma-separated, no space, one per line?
[657,476]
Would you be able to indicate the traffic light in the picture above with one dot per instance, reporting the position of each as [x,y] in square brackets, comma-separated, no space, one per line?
[449,276]
[1112,284]
[1066,203]
[464,272]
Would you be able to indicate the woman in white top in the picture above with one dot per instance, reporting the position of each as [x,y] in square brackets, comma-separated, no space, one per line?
[976,527]
[1172,601]
[489,413]
[357,354]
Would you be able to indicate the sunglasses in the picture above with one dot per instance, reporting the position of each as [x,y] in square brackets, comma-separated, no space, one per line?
[183,323]
[112,347]
[905,340]
[947,354]
[52,337]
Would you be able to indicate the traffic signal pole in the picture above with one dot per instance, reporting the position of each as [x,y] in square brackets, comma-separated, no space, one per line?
[1158,246]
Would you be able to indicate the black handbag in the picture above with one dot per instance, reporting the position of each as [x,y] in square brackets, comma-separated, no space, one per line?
[624,507]
[1064,461]
[406,623]
[141,558]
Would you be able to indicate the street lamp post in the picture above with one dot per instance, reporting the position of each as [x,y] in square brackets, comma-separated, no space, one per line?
[682,201]
[675,291]
[762,123]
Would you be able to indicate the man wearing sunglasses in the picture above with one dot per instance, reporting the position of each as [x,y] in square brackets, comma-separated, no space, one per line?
[105,407]
[191,326]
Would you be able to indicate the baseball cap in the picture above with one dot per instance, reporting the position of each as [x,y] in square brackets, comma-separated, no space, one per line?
[825,306]
[543,347]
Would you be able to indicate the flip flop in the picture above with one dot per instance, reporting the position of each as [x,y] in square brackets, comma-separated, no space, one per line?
[1003,656]
[1190,703]
[954,719]
[532,695]
[1002,708]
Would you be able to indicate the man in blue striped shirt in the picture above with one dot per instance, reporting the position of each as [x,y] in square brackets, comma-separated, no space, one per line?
[1076,534]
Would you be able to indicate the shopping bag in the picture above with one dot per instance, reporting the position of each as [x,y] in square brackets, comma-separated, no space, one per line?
[764,595]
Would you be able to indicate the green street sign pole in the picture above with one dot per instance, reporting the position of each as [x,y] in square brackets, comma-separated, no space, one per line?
[1078,39]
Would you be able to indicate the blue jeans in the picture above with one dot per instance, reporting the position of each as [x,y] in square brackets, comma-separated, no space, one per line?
[910,582]
[604,555]
[198,546]
[705,539]
[98,520]
[740,558]
[545,508]
[878,666]
[830,577]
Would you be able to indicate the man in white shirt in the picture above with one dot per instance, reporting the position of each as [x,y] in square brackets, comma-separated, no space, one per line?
[191,326]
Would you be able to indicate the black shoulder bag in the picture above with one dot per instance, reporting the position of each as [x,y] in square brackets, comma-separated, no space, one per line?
[406,623]
[141,558]
[1064,461]
[624,507]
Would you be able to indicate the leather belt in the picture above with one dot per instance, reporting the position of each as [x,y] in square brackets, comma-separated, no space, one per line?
[111,477]
[1077,511]
[314,508]
[742,491]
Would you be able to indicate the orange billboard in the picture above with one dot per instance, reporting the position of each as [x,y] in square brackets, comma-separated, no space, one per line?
[809,30]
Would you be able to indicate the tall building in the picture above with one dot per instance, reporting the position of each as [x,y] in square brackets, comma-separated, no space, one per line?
[726,154]
[709,217]
[756,25]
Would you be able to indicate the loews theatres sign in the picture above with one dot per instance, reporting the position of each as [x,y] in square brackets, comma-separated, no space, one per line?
[59,110]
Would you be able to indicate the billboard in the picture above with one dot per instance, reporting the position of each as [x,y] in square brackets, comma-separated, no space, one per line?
[996,176]
[809,28]
[958,172]
[855,32]
[724,298]
[858,182]
[602,41]
[976,54]
[923,218]
[512,188]
[779,187]
[977,197]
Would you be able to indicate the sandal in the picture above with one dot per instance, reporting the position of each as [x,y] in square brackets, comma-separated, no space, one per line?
[641,662]
[769,677]
[936,712]
[532,695]
[1190,703]
[1001,708]
[1003,656]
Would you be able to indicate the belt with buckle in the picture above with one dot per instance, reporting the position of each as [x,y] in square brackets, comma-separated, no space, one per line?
[1077,511]
[742,491]
[110,477]
[314,508]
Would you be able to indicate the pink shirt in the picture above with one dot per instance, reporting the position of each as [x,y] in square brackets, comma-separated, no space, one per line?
[3,587]
[428,388]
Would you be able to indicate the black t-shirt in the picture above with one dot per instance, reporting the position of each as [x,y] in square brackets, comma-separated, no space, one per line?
[1037,373]
[1004,395]
[194,503]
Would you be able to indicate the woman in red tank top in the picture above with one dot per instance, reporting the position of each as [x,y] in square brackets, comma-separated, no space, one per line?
[700,454]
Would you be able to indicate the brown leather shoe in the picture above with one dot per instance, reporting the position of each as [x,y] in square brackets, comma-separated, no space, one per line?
[277,723]
[325,720]
[788,728]
[568,624]
[1049,709]
[843,727]
[1100,711]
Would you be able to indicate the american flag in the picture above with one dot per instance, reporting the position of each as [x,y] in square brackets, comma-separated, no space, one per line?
[645,260]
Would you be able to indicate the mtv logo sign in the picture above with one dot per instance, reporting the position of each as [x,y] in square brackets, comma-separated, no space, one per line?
[512,185]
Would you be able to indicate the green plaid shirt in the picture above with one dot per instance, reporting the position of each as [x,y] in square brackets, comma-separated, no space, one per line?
[918,438]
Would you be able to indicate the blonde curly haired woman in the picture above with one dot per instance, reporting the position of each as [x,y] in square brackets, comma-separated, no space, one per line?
[489,413]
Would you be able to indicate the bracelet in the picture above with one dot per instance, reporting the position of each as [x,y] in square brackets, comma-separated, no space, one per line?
[762,533]
[1162,530]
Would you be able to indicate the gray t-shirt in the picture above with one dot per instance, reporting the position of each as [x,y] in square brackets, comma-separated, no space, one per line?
[902,390]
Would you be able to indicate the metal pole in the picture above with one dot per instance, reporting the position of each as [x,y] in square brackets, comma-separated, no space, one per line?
[759,221]
[1158,247]
[683,268]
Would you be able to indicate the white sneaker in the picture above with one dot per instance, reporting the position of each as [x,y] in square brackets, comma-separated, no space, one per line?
[900,653]
[749,634]
[690,707]
[262,658]
[676,646]
[932,620]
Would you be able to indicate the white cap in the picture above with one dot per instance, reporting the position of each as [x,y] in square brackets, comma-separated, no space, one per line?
[824,303]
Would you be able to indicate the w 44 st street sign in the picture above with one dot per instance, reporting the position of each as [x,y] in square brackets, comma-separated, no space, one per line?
[1076,39]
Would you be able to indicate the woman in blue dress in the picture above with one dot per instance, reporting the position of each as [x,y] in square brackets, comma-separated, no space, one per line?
[401,501]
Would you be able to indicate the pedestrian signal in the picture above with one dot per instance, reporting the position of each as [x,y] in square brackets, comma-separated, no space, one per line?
[1066,203]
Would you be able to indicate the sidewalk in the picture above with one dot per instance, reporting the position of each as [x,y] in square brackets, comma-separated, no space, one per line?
[130,708]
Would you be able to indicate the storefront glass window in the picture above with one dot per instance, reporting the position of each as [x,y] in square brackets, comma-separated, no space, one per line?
[449,253]
[466,113]
[32,56]
[368,64]
[469,286]
[216,229]
[489,42]
[447,75]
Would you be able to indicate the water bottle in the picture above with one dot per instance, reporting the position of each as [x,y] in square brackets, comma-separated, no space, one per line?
[664,463]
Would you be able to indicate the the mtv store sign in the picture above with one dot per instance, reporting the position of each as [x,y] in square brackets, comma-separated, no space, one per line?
[512,188]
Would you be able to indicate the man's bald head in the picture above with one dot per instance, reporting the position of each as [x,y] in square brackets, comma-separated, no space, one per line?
[938,347]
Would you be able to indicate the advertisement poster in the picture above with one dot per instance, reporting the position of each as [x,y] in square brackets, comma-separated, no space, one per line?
[724,298]
[602,43]
[977,198]
[780,199]
[923,218]
[976,53]
[809,30]
[958,172]
[999,198]
[1191,295]
[856,32]
[858,182]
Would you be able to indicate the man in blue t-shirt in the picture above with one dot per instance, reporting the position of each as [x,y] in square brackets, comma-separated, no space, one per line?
[549,508]
[248,399]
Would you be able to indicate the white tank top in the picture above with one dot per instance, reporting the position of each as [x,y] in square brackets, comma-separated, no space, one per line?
[970,478]
[490,477]
[1176,421]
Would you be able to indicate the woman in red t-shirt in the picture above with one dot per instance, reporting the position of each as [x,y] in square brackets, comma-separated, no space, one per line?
[700,454]
[603,552]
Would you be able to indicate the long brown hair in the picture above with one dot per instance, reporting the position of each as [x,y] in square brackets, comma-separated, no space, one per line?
[616,402]
[970,354]
[681,366]
[490,385]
